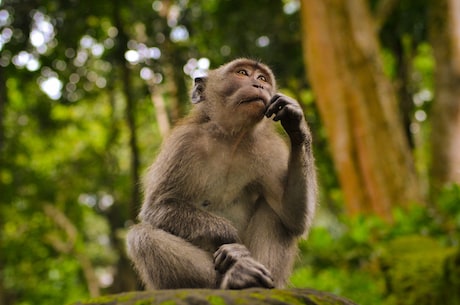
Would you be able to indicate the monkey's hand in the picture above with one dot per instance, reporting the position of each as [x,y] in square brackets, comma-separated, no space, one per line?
[288,111]
[239,269]
[227,254]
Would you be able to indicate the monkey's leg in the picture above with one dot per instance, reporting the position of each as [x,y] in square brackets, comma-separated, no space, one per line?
[271,244]
[165,261]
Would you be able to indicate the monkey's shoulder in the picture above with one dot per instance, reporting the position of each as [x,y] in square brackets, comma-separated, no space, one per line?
[183,138]
[200,147]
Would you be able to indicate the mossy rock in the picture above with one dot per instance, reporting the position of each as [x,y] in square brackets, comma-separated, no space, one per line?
[413,269]
[254,296]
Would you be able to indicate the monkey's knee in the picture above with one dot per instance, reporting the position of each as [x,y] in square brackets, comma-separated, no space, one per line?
[149,243]
[137,239]
[165,261]
[140,244]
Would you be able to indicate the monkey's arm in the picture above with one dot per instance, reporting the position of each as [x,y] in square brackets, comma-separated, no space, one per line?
[299,197]
[200,228]
[213,234]
[300,186]
[170,187]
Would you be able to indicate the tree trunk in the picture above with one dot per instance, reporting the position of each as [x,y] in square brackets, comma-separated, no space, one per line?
[130,111]
[125,278]
[3,103]
[358,107]
[68,246]
[445,114]
[156,95]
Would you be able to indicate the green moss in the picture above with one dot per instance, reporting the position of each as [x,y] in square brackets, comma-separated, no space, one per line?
[287,297]
[124,297]
[100,300]
[324,301]
[169,302]
[216,300]
[220,297]
[413,267]
[258,295]
[145,302]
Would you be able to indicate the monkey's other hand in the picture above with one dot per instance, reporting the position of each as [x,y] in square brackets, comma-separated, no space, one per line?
[288,111]
[247,273]
[227,255]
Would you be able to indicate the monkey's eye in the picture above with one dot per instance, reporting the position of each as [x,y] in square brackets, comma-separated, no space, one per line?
[243,72]
[262,78]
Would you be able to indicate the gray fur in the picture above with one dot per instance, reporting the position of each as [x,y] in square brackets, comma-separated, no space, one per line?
[226,199]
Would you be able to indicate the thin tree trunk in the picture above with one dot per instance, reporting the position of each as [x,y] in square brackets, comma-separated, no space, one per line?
[160,109]
[130,112]
[174,84]
[124,278]
[383,11]
[358,107]
[445,114]
[4,296]
[68,246]
[3,103]
[3,100]
[3,291]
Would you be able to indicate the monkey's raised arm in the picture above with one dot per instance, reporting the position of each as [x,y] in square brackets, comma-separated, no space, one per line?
[300,187]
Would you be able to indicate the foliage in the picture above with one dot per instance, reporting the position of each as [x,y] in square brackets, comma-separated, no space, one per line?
[53,166]
[67,71]
[66,146]
[413,260]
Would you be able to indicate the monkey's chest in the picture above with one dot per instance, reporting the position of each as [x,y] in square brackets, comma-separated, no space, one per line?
[227,188]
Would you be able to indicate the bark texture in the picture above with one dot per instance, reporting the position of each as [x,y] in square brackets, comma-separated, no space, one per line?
[358,107]
[445,114]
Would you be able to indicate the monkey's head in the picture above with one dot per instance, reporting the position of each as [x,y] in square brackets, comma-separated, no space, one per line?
[236,94]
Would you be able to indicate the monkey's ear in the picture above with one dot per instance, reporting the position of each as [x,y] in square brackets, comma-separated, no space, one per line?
[198,89]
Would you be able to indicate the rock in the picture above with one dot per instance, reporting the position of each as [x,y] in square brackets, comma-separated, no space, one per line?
[254,296]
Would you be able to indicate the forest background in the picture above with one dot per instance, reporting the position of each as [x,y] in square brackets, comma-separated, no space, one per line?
[88,90]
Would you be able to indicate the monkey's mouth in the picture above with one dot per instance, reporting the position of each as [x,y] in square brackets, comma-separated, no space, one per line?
[253,100]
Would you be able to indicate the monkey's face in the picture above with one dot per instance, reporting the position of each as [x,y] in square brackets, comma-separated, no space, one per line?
[245,88]
[236,95]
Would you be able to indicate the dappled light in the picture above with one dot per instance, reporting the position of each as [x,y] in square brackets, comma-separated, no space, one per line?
[52,87]
[197,67]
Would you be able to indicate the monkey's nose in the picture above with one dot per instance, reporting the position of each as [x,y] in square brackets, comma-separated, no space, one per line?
[258,86]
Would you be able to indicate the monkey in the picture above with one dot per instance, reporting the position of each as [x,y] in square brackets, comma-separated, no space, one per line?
[228,197]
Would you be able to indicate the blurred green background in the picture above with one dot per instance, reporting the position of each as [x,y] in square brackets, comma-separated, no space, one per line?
[88,90]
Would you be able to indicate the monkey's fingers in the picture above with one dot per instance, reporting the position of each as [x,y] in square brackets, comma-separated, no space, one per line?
[227,255]
[222,262]
[257,272]
[265,278]
[275,105]
[282,114]
[242,276]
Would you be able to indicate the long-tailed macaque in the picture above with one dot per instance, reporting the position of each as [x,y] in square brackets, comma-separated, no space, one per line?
[227,199]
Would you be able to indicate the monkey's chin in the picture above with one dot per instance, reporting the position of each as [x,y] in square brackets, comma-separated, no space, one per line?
[254,105]
[254,110]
